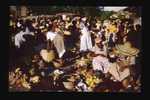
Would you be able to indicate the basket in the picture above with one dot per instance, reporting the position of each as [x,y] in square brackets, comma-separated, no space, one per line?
[68,85]
[47,56]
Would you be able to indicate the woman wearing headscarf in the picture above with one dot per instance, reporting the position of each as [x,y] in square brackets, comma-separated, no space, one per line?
[85,39]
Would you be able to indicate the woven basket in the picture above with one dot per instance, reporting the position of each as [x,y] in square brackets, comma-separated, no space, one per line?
[47,56]
[68,85]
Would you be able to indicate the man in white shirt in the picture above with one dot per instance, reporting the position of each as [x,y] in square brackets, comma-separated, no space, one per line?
[50,35]
[19,37]
[58,42]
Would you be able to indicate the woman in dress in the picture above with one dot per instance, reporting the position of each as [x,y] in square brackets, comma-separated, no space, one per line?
[85,39]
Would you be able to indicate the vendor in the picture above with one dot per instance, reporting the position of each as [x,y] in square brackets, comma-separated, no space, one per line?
[100,61]
[85,39]
[120,70]
[99,47]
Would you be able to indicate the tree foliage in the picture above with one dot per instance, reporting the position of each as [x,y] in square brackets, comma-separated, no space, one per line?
[83,11]
[106,15]
[86,11]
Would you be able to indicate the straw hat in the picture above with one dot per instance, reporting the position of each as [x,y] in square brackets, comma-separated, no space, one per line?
[126,49]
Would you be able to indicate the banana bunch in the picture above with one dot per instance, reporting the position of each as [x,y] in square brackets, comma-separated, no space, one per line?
[92,81]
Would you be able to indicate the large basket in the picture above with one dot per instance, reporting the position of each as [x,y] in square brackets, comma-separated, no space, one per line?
[68,85]
[47,56]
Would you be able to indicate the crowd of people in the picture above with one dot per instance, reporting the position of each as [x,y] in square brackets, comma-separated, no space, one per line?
[74,54]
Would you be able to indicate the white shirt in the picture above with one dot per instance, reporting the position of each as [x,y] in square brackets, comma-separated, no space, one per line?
[101,63]
[18,24]
[58,42]
[83,85]
[28,32]
[85,40]
[50,35]
[85,31]
[19,37]
[82,25]
[64,17]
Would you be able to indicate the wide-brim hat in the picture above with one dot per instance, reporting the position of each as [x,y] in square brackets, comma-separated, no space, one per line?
[126,49]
